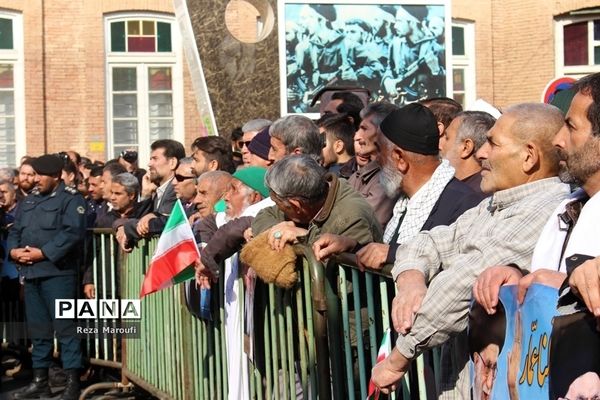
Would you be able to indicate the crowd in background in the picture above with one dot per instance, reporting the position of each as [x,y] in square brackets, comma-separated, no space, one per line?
[455,199]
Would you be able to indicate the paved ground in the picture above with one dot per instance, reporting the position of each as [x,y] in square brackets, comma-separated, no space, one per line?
[12,384]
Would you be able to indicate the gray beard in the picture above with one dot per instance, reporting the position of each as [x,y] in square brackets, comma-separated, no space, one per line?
[391,181]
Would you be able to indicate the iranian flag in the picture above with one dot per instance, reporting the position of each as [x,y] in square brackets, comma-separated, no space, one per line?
[384,350]
[175,253]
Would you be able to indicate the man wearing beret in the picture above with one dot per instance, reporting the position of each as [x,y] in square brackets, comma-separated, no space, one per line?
[48,230]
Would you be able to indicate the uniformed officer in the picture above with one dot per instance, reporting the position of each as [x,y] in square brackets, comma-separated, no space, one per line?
[48,230]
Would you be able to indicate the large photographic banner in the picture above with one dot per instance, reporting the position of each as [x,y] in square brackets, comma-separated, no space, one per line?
[528,351]
[397,49]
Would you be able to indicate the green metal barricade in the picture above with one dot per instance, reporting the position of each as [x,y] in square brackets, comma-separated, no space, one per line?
[319,338]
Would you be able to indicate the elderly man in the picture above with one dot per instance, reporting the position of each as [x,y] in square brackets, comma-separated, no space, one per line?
[310,202]
[250,130]
[429,193]
[566,243]
[519,167]
[246,189]
[460,142]
[365,176]
[211,187]
[259,148]
[294,134]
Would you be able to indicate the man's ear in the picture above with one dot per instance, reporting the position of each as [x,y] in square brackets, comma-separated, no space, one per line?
[213,165]
[399,157]
[338,146]
[441,128]
[173,163]
[297,150]
[296,205]
[467,149]
[531,158]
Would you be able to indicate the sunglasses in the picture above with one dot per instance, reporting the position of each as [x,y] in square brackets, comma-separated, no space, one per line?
[242,143]
[181,178]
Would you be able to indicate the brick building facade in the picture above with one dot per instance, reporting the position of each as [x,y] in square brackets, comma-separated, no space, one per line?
[65,82]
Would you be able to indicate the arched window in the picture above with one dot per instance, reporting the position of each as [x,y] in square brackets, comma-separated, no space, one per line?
[144,82]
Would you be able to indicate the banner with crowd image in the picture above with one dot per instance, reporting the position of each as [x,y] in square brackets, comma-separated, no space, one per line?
[395,49]
[527,351]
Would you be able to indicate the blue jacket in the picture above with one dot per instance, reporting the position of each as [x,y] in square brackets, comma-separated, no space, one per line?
[54,223]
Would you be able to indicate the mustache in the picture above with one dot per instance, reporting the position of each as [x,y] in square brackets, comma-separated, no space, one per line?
[562,154]
[485,164]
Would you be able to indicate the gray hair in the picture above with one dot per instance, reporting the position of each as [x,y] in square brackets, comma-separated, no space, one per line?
[9,183]
[536,122]
[214,176]
[377,111]
[129,182]
[186,160]
[298,131]
[255,125]
[474,125]
[7,173]
[297,176]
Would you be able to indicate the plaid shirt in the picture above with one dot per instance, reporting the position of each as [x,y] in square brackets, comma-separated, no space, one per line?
[501,230]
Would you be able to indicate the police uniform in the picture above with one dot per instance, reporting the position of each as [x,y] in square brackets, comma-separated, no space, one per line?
[54,223]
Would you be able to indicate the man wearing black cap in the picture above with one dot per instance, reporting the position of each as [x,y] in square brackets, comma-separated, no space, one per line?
[436,270]
[48,230]
[429,193]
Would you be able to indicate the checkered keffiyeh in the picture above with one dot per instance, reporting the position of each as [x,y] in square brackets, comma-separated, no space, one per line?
[418,207]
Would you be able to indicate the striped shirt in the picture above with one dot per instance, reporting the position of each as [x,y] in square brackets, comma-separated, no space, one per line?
[501,230]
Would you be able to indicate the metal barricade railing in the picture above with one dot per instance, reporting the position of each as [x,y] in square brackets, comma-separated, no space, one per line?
[320,338]
[362,300]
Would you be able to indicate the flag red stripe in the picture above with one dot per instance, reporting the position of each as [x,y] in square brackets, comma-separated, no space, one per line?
[169,264]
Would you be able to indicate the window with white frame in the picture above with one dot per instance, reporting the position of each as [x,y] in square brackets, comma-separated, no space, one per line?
[463,62]
[144,83]
[12,104]
[578,44]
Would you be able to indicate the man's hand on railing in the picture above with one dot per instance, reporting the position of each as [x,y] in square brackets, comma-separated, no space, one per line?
[122,239]
[386,374]
[89,290]
[409,296]
[283,233]
[372,256]
[329,244]
[203,275]
[143,226]
[487,285]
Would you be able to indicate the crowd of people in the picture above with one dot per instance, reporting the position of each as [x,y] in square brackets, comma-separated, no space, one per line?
[460,202]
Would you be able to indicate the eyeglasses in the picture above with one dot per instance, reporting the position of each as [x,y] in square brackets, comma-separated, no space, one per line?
[181,178]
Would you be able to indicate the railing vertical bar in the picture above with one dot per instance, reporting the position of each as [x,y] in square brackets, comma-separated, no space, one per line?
[359,334]
[343,284]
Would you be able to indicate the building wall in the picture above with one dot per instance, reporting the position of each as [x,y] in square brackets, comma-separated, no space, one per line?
[514,45]
[65,90]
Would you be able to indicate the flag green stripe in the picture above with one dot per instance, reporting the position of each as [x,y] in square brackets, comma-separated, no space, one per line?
[176,218]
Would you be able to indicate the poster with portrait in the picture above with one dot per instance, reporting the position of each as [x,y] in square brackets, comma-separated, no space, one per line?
[395,49]
[532,351]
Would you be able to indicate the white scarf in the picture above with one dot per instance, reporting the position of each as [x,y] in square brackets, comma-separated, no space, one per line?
[583,239]
[418,207]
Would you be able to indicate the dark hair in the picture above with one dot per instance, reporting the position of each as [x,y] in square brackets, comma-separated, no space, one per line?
[27,160]
[172,148]
[237,133]
[444,109]
[215,148]
[364,25]
[341,128]
[114,168]
[485,329]
[351,105]
[96,171]
[590,85]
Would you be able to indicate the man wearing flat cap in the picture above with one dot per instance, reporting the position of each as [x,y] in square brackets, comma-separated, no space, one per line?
[44,241]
